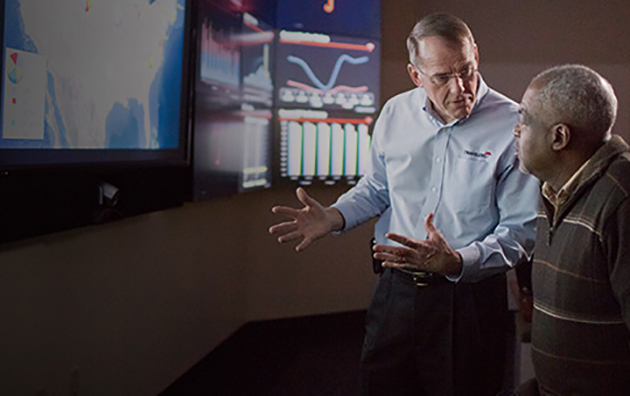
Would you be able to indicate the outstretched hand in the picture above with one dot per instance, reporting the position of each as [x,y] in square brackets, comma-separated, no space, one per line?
[431,255]
[308,224]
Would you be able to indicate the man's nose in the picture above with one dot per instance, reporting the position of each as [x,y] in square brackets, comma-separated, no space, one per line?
[459,83]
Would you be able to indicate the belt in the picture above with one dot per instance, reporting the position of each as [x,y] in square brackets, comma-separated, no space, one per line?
[421,278]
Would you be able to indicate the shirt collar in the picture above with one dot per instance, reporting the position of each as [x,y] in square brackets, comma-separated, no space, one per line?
[559,198]
[590,169]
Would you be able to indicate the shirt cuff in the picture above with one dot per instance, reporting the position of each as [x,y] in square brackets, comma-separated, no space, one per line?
[470,257]
[346,211]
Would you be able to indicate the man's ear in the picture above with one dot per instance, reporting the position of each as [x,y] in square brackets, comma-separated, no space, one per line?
[561,135]
[415,75]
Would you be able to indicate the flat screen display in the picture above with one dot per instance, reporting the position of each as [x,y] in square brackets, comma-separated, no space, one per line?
[318,146]
[361,18]
[87,82]
[233,102]
[327,96]
[329,72]
[232,153]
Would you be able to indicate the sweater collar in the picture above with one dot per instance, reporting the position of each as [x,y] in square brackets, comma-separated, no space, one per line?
[590,171]
[601,159]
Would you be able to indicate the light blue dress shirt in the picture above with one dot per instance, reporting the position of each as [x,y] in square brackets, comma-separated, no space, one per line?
[464,172]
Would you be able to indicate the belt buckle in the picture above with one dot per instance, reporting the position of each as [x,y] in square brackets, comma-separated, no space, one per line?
[420,278]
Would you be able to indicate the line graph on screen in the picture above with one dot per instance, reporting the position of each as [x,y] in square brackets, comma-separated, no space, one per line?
[333,76]
[328,75]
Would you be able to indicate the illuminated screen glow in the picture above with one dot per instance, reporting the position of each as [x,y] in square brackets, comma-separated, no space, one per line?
[233,101]
[318,146]
[327,72]
[361,18]
[87,81]
[327,97]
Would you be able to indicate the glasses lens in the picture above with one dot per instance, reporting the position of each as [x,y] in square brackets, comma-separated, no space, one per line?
[443,79]
[467,74]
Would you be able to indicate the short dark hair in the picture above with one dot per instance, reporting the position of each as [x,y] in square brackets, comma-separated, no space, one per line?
[447,26]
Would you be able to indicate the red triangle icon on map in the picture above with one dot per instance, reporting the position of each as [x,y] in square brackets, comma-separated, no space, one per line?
[14,57]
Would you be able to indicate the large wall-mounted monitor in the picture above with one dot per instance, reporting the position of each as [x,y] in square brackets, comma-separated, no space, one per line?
[233,102]
[327,96]
[88,82]
[275,81]
[95,111]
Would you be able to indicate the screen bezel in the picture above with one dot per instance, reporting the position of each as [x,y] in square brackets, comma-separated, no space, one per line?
[40,198]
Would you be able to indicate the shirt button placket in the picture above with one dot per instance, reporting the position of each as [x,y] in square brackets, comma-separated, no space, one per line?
[435,182]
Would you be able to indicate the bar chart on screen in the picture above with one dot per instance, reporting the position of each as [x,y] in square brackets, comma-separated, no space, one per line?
[317,147]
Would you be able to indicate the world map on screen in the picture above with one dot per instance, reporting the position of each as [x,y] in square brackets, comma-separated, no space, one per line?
[92,74]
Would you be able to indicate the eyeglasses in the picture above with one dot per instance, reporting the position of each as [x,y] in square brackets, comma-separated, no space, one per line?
[442,79]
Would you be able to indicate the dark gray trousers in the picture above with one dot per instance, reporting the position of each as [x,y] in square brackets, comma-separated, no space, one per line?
[438,340]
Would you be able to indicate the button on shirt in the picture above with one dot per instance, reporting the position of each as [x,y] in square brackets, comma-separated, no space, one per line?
[465,172]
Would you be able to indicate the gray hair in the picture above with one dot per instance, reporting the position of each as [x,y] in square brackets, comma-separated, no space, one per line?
[447,26]
[579,96]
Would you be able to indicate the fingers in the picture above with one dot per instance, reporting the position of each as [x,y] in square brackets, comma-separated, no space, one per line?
[305,198]
[389,264]
[303,245]
[290,237]
[403,240]
[392,254]
[434,236]
[395,260]
[285,211]
[390,258]
[428,225]
[386,249]
[310,222]
[288,233]
[412,255]
[283,228]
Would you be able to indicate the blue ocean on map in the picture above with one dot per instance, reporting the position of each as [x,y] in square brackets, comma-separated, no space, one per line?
[125,124]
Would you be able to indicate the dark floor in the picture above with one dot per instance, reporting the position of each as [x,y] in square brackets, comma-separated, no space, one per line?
[315,355]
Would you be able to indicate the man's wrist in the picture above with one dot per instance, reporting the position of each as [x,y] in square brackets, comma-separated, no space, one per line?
[457,267]
[336,219]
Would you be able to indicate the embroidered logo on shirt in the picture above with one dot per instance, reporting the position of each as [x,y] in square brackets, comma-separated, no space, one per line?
[478,154]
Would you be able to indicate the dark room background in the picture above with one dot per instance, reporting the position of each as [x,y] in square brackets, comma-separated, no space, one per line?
[127,307]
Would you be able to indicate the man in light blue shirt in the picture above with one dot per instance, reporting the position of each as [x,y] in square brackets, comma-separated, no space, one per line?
[455,214]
